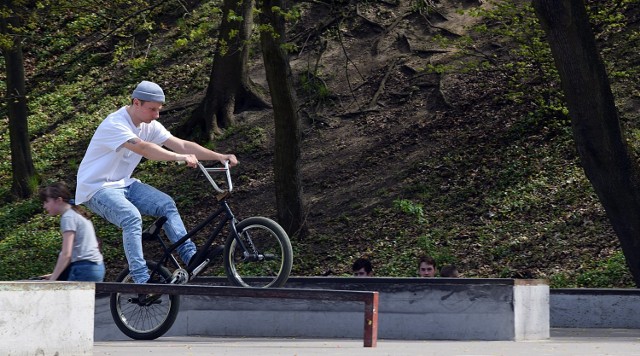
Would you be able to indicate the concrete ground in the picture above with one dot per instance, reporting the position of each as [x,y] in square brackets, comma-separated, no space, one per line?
[583,342]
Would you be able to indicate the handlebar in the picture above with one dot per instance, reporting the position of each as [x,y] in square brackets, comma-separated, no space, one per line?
[207,170]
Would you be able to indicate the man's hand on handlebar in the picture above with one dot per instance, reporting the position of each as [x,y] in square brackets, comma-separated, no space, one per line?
[188,159]
[231,158]
[192,161]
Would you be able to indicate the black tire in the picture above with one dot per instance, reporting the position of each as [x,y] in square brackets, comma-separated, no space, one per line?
[144,322]
[270,259]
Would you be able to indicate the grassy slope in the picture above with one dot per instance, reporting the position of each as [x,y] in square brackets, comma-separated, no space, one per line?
[479,185]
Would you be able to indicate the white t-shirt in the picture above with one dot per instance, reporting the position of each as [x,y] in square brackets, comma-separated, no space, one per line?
[107,164]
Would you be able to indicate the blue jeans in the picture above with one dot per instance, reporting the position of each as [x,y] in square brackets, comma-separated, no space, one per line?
[124,207]
[86,271]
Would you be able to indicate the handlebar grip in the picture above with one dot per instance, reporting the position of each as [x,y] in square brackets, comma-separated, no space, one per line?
[228,171]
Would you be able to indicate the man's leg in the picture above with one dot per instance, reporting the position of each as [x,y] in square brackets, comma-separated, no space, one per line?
[112,205]
[151,201]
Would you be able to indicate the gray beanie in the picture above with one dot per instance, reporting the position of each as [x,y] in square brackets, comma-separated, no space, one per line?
[148,91]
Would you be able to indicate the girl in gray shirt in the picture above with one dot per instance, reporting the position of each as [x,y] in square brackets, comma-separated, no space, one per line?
[80,252]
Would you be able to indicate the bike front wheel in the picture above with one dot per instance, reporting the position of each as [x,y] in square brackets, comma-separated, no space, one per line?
[144,320]
[260,256]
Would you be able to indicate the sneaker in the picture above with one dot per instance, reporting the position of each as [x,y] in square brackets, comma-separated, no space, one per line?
[149,298]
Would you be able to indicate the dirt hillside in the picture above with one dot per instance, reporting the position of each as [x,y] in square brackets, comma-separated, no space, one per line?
[399,161]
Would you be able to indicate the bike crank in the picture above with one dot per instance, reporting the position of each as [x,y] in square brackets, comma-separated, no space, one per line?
[180,276]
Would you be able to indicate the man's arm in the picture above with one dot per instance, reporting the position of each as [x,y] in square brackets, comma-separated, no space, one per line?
[150,150]
[191,148]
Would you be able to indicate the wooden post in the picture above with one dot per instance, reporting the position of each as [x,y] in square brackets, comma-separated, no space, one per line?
[371,321]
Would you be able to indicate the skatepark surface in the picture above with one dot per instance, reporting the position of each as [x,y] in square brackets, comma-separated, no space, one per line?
[581,342]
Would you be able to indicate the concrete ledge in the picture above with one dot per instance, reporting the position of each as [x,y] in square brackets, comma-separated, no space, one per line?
[46,318]
[409,308]
[595,308]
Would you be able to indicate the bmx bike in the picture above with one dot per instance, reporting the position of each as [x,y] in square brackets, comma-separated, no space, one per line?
[257,253]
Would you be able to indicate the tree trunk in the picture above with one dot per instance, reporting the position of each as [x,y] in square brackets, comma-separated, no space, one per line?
[25,178]
[230,89]
[596,128]
[288,184]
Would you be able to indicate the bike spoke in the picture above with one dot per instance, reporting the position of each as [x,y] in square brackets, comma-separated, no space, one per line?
[148,320]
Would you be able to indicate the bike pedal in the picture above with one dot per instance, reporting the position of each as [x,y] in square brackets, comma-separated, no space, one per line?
[196,271]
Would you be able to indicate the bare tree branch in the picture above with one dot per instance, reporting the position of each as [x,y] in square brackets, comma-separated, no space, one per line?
[374,101]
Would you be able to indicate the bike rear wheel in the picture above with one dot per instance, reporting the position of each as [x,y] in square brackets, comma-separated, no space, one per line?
[268,257]
[144,321]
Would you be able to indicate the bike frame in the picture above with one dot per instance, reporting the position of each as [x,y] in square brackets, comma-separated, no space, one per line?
[228,217]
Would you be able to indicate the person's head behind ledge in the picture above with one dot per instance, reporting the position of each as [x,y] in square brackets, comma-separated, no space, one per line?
[426,266]
[449,271]
[362,268]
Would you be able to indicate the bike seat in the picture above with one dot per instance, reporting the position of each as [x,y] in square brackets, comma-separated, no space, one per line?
[152,231]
